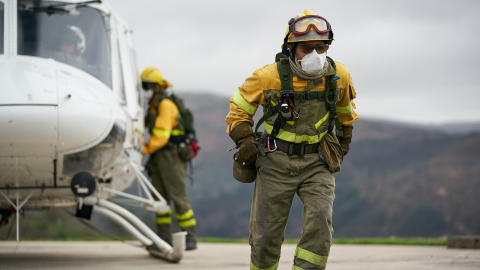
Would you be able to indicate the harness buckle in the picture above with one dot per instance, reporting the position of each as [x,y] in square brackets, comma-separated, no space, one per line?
[296,149]
[268,144]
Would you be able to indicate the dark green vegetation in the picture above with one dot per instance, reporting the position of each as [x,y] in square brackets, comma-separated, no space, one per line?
[398,180]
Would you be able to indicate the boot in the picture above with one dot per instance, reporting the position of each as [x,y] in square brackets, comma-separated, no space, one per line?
[191,241]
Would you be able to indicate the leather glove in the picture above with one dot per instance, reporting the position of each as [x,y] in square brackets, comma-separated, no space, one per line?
[346,138]
[249,148]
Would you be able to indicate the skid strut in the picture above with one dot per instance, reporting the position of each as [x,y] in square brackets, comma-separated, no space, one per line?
[155,245]
[139,230]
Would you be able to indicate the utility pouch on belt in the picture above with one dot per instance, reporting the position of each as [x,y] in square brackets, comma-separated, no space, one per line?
[185,152]
[243,173]
[331,150]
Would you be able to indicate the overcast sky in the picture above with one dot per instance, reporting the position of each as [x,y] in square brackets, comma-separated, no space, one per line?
[412,61]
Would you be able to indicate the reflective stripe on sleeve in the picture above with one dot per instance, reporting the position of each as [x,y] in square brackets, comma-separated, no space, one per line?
[311,257]
[292,137]
[345,109]
[178,132]
[187,223]
[185,216]
[164,220]
[162,132]
[242,103]
[273,267]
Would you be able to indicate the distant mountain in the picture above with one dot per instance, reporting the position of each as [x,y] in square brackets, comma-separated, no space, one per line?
[451,128]
[398,180]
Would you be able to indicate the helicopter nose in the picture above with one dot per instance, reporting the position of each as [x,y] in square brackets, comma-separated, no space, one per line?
[84,112]
[81,123]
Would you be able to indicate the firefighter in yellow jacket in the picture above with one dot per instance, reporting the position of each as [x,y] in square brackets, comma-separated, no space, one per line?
[165,166]
[308,116]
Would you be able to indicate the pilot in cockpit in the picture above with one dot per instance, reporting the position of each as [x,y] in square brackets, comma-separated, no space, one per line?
[71,43]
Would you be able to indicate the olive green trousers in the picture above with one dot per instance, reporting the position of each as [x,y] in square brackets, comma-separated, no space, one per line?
[279,177]
[168,174]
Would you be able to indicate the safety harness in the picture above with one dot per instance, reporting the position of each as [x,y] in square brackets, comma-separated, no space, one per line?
[286,78]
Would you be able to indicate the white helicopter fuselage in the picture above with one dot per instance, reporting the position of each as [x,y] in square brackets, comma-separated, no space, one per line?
[71,116]
[58,119]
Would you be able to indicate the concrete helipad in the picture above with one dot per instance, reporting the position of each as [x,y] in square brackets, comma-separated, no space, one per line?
[115,255]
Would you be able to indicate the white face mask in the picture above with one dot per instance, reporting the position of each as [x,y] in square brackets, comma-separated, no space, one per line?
[147,94]
[313,62]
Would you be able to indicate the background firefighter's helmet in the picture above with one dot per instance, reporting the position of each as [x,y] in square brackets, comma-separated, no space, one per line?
[310,33]
[152,75]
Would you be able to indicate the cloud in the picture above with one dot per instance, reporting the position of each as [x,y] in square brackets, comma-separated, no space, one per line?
[398,52]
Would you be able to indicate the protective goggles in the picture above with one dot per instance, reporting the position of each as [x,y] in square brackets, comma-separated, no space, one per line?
[303,24]
[307,48]
[147,86]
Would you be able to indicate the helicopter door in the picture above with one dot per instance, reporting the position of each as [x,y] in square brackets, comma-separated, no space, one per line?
[2,26]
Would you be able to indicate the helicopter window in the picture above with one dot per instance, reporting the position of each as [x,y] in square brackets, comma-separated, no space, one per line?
[74,34]
[2,26]
[122,82]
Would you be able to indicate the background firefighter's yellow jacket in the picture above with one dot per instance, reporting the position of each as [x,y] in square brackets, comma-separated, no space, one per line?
[259,88]
[164,124]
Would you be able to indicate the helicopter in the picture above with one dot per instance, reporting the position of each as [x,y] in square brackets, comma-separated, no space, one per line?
[72,116]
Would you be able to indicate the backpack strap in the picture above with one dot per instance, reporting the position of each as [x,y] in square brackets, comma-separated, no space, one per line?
[286,79]
[156,100]
[331,97]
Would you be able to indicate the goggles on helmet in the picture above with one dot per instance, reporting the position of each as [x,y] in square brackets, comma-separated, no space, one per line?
[303,24]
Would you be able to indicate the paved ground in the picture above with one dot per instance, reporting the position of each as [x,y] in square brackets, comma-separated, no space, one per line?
[119,256]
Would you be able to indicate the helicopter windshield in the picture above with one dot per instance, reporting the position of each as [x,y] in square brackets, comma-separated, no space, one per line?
[74,34]
[2,26]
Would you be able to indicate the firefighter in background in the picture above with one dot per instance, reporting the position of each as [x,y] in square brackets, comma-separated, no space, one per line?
[168,155]
[304,95]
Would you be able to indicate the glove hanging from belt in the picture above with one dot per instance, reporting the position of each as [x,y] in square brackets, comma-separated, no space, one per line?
[249,148]
[346,138]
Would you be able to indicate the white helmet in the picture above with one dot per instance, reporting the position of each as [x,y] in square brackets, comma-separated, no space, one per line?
[76,36]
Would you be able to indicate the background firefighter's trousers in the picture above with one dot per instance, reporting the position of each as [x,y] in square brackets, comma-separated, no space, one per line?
[279,177]
[168,173]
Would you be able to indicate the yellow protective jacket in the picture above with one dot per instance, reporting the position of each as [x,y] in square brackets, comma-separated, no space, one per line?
[166,120]
[264,86]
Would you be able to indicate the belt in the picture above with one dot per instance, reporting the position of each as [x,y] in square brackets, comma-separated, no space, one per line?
[299,149]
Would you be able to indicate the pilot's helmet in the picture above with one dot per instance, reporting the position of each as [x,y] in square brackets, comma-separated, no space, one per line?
[74,35]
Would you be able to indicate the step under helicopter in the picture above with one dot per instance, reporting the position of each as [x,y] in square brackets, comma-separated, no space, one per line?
[71,115]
